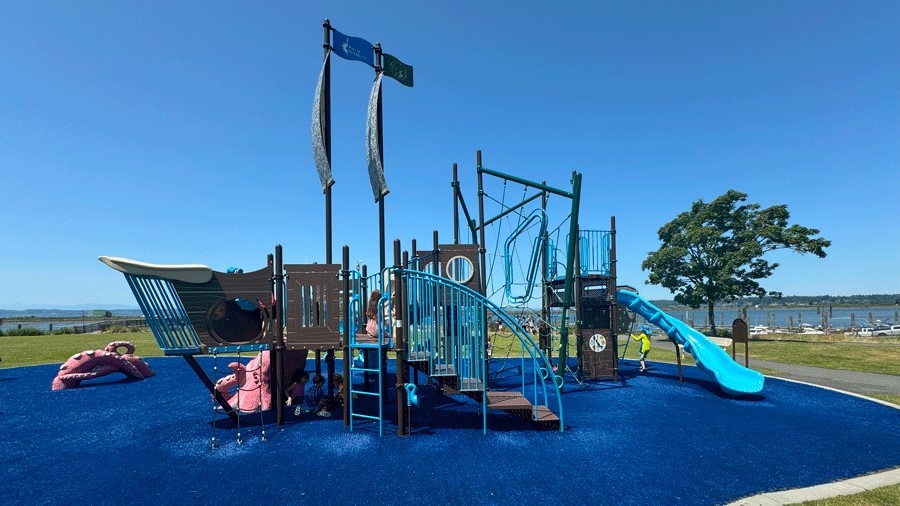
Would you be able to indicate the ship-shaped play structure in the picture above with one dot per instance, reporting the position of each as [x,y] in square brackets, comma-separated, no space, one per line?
[435,314]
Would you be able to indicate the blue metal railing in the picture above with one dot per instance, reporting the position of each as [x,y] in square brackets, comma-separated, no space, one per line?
[447,328]
[593,251]
[165,315]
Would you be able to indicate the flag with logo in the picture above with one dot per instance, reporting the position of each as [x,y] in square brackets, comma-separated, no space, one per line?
[352,48]
[398,70]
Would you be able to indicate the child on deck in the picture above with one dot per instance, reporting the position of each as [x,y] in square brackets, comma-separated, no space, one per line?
[372,314]
[644,339]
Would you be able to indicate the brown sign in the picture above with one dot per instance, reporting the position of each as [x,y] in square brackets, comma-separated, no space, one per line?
[739,331]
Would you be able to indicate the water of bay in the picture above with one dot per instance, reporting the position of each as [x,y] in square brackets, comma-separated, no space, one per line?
[839,318]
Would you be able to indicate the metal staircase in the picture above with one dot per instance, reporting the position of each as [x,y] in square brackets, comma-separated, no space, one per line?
[447,340]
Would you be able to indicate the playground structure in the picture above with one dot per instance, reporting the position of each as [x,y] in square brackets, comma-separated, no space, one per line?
[440,311]
[284,310]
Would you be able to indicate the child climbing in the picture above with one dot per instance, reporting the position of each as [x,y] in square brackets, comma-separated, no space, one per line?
[644,338]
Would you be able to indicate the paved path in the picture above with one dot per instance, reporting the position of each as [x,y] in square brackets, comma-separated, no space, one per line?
[850,381]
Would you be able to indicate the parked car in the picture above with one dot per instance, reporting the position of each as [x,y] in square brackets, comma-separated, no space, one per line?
[879,331]
[893,330]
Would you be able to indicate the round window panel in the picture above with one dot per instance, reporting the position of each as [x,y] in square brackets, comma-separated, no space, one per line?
[236,321]
[460,269]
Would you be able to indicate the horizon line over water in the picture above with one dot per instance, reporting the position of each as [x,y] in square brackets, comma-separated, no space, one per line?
[839,318]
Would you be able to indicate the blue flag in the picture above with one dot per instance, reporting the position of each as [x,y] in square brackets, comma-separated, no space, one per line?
[353,48]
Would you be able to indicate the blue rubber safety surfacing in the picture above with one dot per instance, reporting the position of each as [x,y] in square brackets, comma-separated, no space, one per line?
[645,440]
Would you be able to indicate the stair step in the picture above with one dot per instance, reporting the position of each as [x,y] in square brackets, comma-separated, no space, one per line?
[419,356]
[544,415]
[444,370]
[469,384]
[507,401]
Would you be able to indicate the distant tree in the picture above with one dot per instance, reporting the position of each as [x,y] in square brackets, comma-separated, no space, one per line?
[714,252]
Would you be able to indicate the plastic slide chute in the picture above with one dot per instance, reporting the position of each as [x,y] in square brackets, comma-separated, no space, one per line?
[734,378]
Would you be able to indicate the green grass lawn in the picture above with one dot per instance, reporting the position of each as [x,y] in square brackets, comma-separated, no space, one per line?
[878,355]
[886,496]
[17,351]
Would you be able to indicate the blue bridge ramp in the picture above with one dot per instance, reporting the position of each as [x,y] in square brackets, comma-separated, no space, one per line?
[732,377]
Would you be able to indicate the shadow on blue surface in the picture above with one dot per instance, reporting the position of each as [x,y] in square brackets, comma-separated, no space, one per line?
[647,439]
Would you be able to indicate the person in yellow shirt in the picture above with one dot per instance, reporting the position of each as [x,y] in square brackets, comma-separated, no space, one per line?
[644,338]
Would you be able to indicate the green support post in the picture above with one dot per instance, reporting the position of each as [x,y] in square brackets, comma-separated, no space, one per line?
[570,273]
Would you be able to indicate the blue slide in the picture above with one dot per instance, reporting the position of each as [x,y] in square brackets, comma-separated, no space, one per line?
[732,377]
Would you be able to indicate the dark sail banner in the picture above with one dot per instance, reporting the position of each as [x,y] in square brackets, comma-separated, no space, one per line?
[352,48]
[373,144]
[398,70]
[320,155]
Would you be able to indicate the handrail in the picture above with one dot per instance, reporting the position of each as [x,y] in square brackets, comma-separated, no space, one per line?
[429,291]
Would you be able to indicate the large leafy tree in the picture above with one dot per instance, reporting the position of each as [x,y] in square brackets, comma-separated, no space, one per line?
[714,252]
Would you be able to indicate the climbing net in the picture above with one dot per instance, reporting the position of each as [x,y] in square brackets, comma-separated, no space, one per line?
[232,384]
[517,243]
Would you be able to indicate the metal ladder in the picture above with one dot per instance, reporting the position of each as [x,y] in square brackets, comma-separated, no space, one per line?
[379,393]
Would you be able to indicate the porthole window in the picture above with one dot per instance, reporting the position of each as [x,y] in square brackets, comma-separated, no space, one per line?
[237,321]
[460,269]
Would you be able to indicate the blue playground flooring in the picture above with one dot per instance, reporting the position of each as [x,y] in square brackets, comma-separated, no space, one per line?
[645,440]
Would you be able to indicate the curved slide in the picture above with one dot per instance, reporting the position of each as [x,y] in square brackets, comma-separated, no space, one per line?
[732,377]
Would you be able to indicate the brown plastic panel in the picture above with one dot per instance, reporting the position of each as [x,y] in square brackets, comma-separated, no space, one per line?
[314,302]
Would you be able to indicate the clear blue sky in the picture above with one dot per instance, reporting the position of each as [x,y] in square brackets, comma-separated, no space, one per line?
[179,132]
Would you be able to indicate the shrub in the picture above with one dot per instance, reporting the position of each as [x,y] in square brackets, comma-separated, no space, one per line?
[25,331]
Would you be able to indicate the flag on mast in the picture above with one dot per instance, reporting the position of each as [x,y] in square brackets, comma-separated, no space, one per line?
[353,48]
[320,155]
[398,70]
[373,143]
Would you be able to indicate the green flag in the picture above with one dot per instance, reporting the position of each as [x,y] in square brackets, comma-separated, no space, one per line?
[398,70]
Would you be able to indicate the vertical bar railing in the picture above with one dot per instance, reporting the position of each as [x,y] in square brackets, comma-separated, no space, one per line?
[458,342]
[164,313]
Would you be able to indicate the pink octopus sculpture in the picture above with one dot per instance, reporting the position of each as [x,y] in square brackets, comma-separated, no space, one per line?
[248,396]
[248,389]
[92,364]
